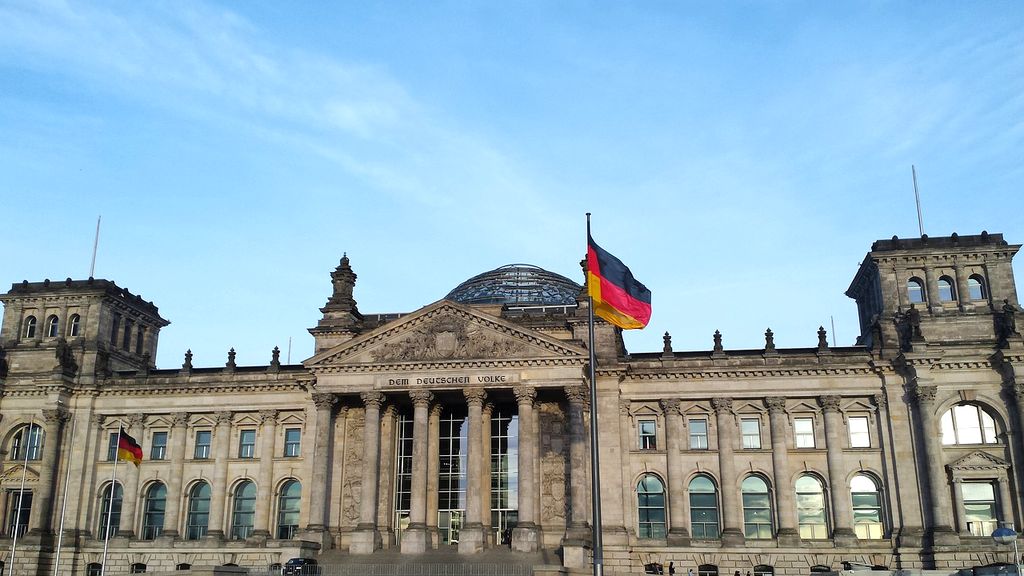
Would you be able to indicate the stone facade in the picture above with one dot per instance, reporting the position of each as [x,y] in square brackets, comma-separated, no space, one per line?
[465,425]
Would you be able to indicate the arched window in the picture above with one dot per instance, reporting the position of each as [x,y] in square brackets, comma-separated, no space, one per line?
[947,293]
[94,569]
[288,510]
[52,327]
[198,511]
[30,327]
[707,570]
[757,511]
[915,290]
[810,508]
[650,496]
[244,511]
[703,508]
[980,507]
[138,568]
[30,438]
[968,424]
[153,515]
[867,507]
[110,512]
[74,325]
[764,570]
[976,287]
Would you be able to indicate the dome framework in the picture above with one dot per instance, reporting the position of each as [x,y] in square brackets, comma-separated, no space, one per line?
[517,285]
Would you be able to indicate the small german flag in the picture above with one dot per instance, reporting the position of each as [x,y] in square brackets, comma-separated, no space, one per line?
[128,449]
[617,296]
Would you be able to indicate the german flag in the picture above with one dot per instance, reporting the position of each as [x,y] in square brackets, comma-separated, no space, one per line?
[617,296]
[128,449]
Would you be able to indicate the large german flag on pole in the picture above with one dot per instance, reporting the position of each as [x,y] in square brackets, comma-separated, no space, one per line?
[616,295]
[128,449]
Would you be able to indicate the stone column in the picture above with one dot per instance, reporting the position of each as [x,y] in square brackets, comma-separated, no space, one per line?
[415,537]
[578,531]
[963,291]
[324,403]
[678,534]
[931,289]
[788,533]
[732,513]
[485,474]
[938,487]
[366,538]
[842,505]
[958,502]
[433,461]
[179,433]
[525,536]
[263,528]
[42,504]
[126,529]
[471,537]
[219,489]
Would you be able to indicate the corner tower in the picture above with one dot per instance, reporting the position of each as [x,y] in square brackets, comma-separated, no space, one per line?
[341,319]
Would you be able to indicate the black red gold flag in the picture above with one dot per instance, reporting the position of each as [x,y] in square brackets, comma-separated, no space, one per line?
[617,296]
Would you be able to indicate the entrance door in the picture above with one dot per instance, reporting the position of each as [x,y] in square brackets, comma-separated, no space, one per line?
[448,523]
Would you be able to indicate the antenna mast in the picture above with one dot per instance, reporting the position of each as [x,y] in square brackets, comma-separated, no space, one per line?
[95,244]
[920,222]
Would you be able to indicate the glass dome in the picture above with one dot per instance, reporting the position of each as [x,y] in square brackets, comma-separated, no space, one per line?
[519,285]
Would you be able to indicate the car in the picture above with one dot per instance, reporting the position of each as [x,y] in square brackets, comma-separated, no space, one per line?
[300,567]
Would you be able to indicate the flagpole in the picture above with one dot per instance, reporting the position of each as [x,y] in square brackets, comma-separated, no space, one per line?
[64,504]
[595,467]
[110,508]
[27,446]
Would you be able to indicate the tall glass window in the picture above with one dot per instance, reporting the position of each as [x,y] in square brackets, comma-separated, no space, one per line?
[698,434]
[153,515]
[968,424]
[52,327]
[751,433]
[244,511]
[247,444]
[810,508]
[703,508]
[292,442]
[504,472]
[30,327]
[804,430]
[198,511]
[74,325]
[650,494]
[980,507]
[976,287]
[159,449]
[451,497]
[867,508]
[203,438]
[30,437]
[915,290]
[403,472]
[647,430]
[947,293]
[860,435]
[757,511]
[19,506]
[288,510]
[110,511]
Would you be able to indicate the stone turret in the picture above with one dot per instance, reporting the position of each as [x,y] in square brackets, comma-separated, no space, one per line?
[341,318]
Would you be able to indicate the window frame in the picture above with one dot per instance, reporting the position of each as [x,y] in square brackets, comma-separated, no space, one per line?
[981,527]
[52,326]
[194,529]
[247,449]
[158,450]
[31,433]
[151,529]
[947,289]
[811,530]
[243,510]
[108,511]
[201,450]
[859,438]
[758,528]
[749,438]
[647,434]
[695,523]
[868,530]
[976,290]
[916,286]
[29,330]
[696,437]
[647,512]
[292,447]
[74,325]
[951,420]
[800,438]
[283,530]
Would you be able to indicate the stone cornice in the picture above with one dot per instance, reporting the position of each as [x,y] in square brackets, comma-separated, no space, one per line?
[450,365]
[718,373]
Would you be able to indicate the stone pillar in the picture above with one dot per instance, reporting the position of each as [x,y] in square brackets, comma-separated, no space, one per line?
[471,537]
[179,433]
[788,533]
[416,537]
[433,461]
[42,503]
[577,533]
[963,291]
[525,536]
[938,487]
[324,403]
[263,529]
[732,513]
[366,538]
[958,502]
[485,474]
[931,289]
[126,529]
[842,505]
[219,488]
[678,534]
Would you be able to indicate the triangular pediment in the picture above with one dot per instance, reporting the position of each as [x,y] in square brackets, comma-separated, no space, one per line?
[14,472]
[450,334]
[979,460]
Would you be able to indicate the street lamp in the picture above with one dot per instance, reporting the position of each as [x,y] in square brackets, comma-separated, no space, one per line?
[1007,535]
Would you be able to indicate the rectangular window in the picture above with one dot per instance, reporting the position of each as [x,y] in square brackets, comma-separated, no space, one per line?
[247,444]
[202,444]
[859,436]
[751,433]
[158,451]
[292,439]
[112,447]
[804,429]
[648,434]
[698,434]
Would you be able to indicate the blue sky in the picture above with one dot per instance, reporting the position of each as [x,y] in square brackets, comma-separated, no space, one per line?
[740,157]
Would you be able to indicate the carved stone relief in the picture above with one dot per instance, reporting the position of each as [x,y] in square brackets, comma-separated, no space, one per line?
[352,483]
[447,337]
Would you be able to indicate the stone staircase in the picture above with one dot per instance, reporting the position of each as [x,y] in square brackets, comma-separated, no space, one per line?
[446,561]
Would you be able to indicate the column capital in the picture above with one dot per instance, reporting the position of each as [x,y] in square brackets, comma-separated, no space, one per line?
[525,394]
[136,419]
[324,400]
[1016,390]
[269,416]
[475,396]
[488,409]
[879,400]
[180,419]
[722,405]
[670,405]
[925,395]
[372,399]
[421,397]
[99,419]
[775,404]
[577,394]
[55,416]
[223,417]
[436,409]
[624,406]
[829,402]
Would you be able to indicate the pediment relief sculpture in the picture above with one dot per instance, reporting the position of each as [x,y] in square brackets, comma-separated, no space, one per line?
[978,460]
[448,337]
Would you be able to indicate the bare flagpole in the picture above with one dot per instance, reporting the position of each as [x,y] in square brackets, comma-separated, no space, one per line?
[26,444]
[110,508]
[95,245]
[595,468]
[917,197]
[64,504]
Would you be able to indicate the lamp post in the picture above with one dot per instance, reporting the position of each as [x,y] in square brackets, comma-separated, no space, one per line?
[1006,535]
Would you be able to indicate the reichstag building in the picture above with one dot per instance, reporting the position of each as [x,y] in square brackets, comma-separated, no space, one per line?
[463,427]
